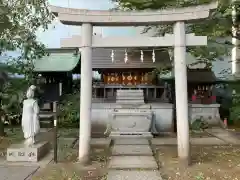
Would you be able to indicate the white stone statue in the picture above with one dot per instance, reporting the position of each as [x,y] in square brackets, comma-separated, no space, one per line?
[30,119]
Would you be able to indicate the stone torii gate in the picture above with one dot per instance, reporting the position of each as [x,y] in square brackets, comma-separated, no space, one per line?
[89,18]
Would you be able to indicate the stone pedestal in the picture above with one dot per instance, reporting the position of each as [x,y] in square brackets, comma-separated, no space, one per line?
[22,153]
[129,118]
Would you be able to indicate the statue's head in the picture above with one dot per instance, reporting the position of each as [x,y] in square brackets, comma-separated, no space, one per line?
[30,91]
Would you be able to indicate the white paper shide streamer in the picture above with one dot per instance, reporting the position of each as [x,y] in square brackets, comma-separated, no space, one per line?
[153,56]
[141,56]
[126,56]
[112,55]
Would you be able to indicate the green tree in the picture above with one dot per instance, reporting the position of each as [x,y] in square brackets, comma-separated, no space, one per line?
[216,26]
[19,21]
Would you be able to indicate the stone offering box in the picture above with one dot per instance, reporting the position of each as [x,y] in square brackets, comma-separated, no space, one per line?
[22,153]
[208,112]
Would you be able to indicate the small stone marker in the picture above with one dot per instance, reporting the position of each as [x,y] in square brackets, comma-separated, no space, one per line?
[20,152]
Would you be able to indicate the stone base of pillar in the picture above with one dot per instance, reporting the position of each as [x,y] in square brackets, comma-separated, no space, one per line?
[84,161]
[184,162]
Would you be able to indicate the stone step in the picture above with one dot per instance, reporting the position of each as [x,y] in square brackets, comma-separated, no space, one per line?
[133,93]
[129,95]
[120,135]
[133,162]
[130,102]
[132,150]
[131,175]
[129,98]
[129,90]
[131,141]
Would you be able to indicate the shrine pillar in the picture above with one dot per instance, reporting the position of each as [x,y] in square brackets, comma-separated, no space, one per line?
[85,93]
[235,50]
[180,72]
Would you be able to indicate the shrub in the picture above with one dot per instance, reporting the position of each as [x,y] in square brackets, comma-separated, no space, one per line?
[69,110]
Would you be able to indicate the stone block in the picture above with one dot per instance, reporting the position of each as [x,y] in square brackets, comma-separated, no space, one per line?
[132,150]
[20,152]
[131,141]
[130,175]
[133,162]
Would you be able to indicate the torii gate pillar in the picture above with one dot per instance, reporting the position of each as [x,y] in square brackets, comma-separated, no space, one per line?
[85,93]
[180,72]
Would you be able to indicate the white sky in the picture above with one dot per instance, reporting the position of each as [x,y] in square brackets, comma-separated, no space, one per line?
[52,37]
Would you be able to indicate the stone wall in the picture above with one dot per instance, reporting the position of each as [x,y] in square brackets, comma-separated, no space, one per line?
[162,113]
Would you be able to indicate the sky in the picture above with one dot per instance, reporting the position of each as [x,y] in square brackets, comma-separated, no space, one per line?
[51,38]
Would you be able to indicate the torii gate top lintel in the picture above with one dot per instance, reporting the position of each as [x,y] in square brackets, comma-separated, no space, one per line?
[71,16]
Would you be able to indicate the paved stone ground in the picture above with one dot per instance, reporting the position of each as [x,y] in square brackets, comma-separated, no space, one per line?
[225,135]
[193,141]
[134,175]
[133,159]
[17,172]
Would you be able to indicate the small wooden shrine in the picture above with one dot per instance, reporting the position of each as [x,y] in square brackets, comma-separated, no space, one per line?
[57,68]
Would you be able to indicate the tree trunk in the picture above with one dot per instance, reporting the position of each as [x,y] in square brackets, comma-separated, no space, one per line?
[2,133]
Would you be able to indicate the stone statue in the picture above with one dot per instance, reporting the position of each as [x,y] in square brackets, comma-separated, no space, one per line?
[30,119]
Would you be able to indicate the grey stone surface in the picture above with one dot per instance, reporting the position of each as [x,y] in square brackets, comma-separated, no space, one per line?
[20,152]
[131,141]
[137,150]
[133,175]
[17,172]
[164,141]
[132,162]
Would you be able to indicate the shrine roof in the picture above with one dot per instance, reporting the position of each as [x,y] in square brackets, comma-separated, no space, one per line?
[201,76]
[57,60]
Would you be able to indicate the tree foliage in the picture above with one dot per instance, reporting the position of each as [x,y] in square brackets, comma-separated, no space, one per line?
[20,20]
[217,26]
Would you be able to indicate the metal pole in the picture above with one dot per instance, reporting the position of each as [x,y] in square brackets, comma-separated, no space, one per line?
[55,132]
